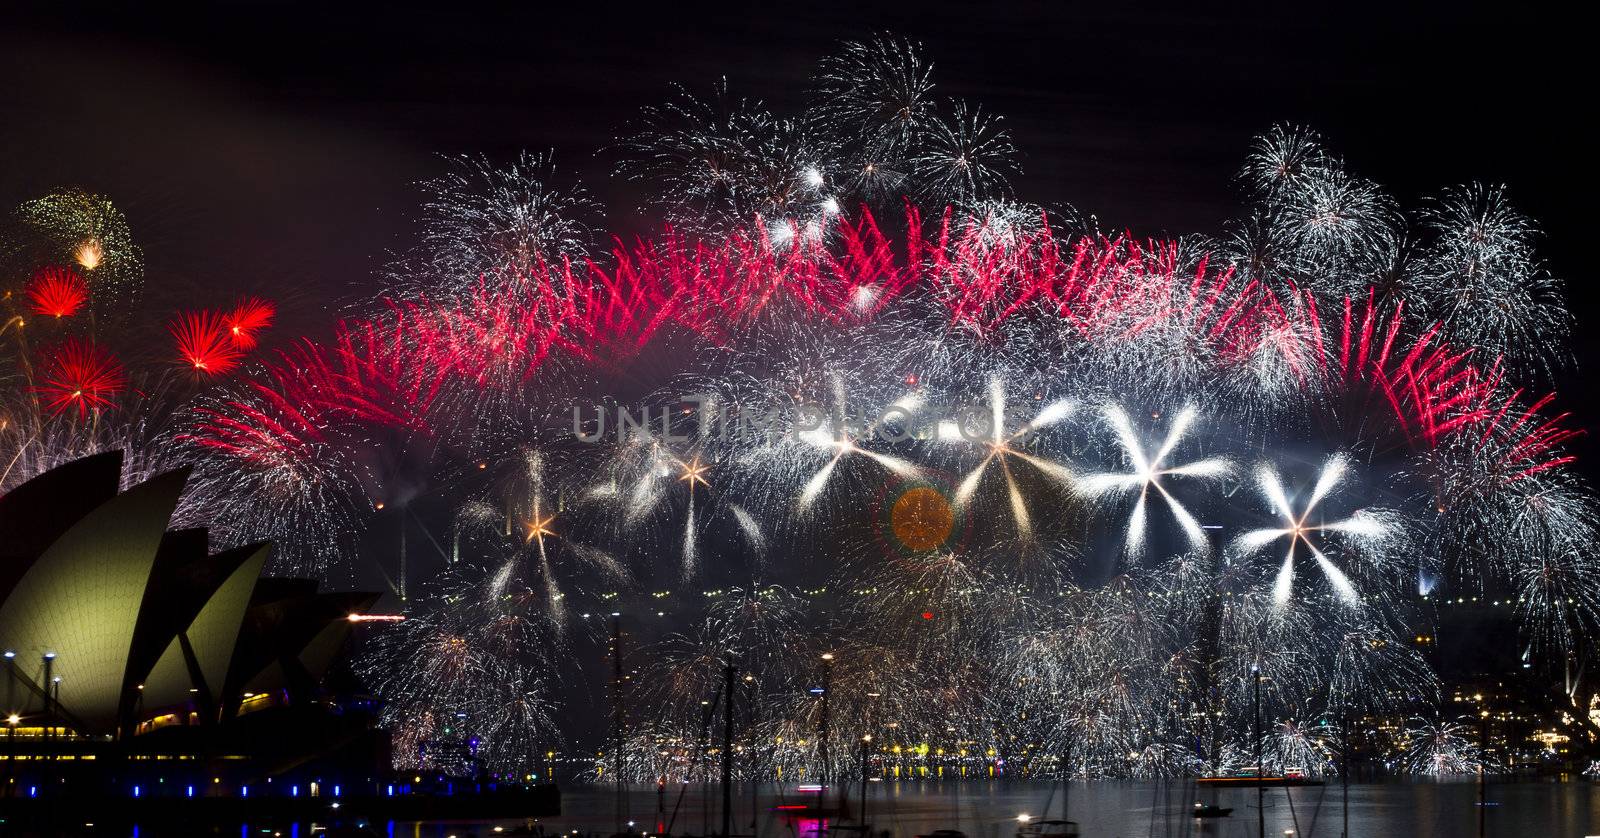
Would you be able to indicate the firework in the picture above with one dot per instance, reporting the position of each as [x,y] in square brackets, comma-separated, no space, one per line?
[1302,527]
[720,162]
[57,292]
[1485,282]
[887,493]
[484,221]
[204,342]
[1003,449]
[876,98]
[245,321]
[90,232]
[80,377]
[1147,470]
[967,156]
[1438,749]
[475,664]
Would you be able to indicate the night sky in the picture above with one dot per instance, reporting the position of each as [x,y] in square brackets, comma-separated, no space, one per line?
[271,148]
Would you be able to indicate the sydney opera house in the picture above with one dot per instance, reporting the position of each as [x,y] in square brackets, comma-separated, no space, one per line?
[139,662]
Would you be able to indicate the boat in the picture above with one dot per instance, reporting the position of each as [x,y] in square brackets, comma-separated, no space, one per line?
[1211,810]
[1048,829]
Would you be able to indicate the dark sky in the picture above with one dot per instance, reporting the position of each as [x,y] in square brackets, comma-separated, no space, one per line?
[271,147]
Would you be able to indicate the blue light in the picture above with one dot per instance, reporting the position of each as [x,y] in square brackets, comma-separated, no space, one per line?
[33,791]
[244,791]
[391,789]
[335,791]
[188,791]
[294,791]
[135,791]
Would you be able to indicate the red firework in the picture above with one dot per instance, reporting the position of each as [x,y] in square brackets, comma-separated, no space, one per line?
[204,342]
[1528,443]
[270,431]
[57,292]
[393,368]
[77,374]
[245,322]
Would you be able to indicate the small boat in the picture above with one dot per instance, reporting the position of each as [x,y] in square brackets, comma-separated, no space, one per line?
[1048,829]
[1211,810]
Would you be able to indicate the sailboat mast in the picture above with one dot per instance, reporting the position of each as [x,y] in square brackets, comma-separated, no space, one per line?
[727,750]
[617,719]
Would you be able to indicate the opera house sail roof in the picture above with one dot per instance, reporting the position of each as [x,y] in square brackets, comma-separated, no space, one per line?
[107,617]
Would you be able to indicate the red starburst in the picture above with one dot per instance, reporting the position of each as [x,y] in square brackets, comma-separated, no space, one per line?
[245,322]
[57,292]
[78,374]
[204,343]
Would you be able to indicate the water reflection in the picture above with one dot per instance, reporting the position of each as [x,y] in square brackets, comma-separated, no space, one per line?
[1113,809]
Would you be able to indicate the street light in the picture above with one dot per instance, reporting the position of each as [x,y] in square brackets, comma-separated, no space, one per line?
[1261,812]
[11,676]
[11,746]
[822,726]
[49,666]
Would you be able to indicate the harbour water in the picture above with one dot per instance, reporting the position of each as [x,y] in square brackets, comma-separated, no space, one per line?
[1106,809]
[1103,809]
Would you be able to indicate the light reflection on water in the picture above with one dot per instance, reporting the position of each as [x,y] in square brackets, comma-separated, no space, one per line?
[1123,809]
[1104,809]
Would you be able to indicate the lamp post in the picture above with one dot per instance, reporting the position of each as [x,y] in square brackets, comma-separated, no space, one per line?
[49,667]
[1261,812]
[55,699]
[751,704]
[11,678]
[1483,756]
[1344,796]
[866,768]
[11,749]
[822,722]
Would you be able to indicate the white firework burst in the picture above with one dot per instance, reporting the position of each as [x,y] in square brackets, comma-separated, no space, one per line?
[1302,529]
[1148,471]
